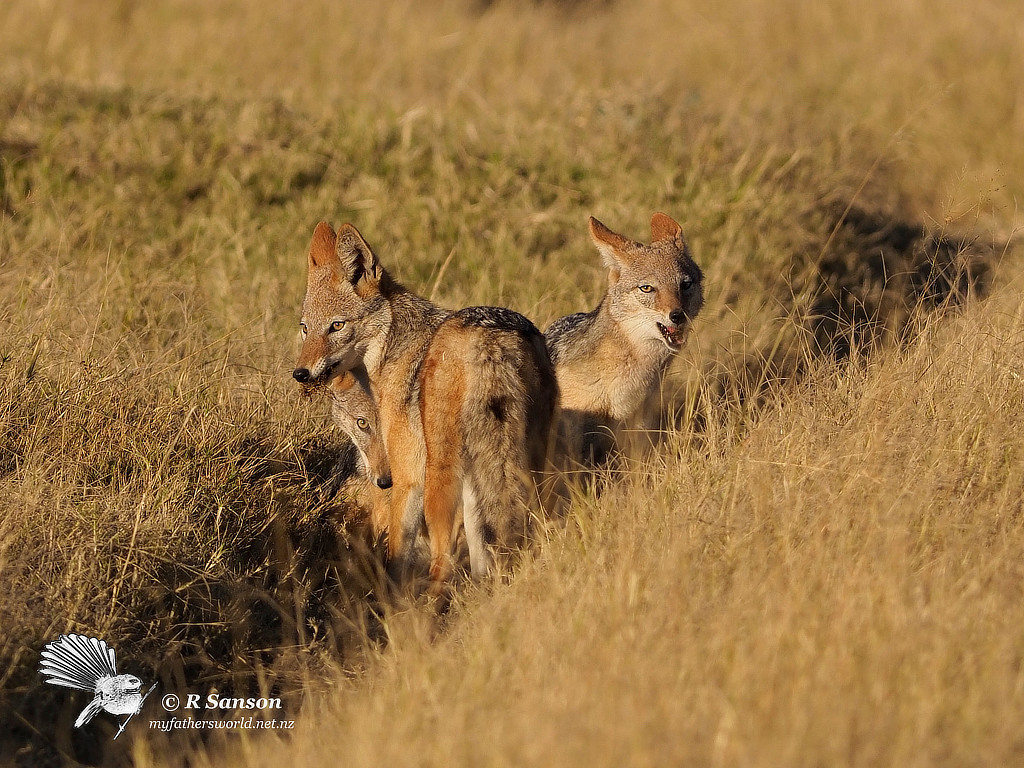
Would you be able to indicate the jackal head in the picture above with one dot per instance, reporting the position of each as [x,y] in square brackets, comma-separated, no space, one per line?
[354,410]
[654,291]
[344,315]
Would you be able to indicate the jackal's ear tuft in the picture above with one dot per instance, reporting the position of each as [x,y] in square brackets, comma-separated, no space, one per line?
[358,261]
[611,246]
[665,228]
[322,249]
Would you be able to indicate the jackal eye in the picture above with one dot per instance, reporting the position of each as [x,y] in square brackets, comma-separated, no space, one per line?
[362,423]
[686,282]
[645,288]
[337,325]
[302,327]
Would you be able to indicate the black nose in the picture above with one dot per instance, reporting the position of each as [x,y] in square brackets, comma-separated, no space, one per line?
[677,316]
[301,375]
[384,482]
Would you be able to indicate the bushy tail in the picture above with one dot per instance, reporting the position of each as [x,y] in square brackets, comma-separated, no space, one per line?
[512,405]
[77,661]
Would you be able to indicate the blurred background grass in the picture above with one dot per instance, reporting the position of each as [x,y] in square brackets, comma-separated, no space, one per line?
[820,564]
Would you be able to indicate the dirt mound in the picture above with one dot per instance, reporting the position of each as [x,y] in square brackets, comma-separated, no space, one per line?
[870,280]
[875,273]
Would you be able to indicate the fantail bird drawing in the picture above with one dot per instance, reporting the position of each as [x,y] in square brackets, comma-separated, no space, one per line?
[89,664]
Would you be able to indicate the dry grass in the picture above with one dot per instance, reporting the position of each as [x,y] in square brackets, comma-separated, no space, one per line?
[841,587]
[821,563]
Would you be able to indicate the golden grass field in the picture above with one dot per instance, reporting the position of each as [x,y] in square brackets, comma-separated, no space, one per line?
[822,562]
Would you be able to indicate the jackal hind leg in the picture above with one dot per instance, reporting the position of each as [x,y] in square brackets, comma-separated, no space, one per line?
[502,489]
[542,435]
[403,529]
[479,539]
[441,491]
[442,394]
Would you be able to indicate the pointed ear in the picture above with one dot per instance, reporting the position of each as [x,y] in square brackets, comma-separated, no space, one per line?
[358,261]
[665,228]
[343,382]
[322,249]
[611,246]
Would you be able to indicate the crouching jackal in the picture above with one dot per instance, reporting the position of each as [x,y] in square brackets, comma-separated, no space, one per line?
[354,412]
[467,400]
[611,361]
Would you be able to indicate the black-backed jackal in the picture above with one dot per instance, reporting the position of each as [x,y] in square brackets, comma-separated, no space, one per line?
[610,362]
[354,412]
[467,400]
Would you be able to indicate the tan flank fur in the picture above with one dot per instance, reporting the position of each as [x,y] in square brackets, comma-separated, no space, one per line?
[610,362]
[467,400]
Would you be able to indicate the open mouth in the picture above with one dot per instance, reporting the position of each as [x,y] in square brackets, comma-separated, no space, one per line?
[672,335]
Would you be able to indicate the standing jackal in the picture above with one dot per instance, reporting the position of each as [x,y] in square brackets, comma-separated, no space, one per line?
[467,400]
[610,362]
